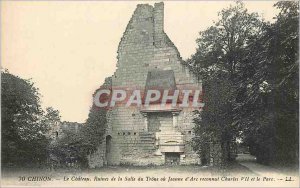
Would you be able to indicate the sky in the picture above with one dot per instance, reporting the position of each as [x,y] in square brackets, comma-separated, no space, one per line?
[68,48]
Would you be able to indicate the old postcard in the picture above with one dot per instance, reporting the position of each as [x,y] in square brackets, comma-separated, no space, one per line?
[149,94]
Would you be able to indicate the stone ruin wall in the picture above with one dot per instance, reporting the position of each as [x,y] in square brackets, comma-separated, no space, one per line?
[144,47]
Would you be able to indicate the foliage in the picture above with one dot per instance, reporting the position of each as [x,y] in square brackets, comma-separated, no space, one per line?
[76,146]
[52,116]
[249,70]
[218,60]
[276,96]
[96,123]
[69,147]
[23,134]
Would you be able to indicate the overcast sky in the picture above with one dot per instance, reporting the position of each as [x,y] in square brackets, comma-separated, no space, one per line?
[68,48]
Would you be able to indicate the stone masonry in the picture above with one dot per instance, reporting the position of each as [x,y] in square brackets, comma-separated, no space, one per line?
[148,136]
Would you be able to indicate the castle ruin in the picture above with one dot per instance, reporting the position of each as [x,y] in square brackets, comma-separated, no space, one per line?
[151,135]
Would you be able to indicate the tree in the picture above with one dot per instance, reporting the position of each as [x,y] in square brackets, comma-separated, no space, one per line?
[52,116]
[78,145]
[23,134]
[273,94]
[96,123]
[249,70]
[287,82]
[51,119]
[69,147]
[219,61]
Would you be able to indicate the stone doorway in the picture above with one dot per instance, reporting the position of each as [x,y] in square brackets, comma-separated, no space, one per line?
[172,158]
[108,149]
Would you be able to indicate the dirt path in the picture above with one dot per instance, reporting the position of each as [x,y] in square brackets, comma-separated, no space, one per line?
[249,161]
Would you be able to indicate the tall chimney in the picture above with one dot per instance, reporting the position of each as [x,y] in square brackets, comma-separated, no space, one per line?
[159,24]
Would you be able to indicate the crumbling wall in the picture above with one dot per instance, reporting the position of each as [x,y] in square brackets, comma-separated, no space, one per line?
[145,47]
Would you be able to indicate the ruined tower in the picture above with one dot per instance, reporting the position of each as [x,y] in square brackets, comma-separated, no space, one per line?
[152,135]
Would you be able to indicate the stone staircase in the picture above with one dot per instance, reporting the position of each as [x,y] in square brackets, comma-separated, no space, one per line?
[168,139]
[148,140]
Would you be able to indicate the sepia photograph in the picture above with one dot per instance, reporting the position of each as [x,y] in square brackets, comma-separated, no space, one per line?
[149,93]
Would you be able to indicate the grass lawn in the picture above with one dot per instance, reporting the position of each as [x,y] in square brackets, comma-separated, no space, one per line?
[133,176]
[232,169]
